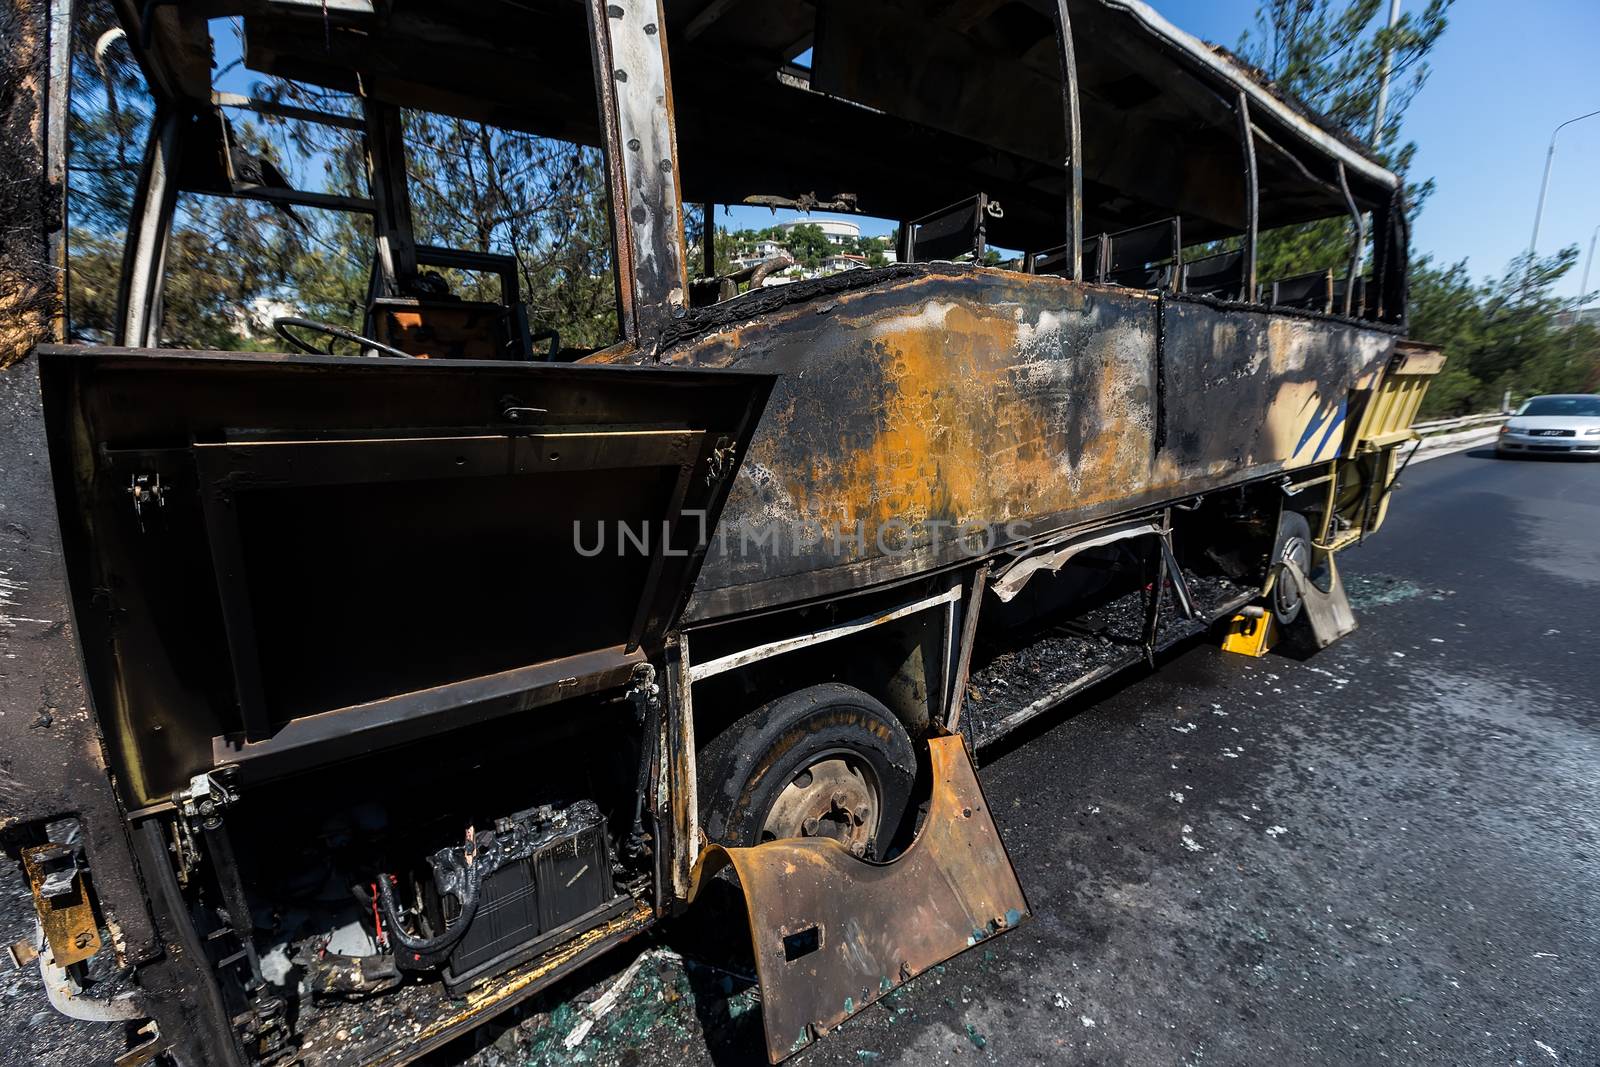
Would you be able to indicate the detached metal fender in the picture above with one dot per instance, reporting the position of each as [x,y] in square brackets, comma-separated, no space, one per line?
[833,933]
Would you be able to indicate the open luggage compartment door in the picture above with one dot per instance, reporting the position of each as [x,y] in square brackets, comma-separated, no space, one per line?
[280,562]
[833,933]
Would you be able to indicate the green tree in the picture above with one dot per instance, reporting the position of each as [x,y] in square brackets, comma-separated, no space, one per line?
[808,244]
[544,201]
[233,264]
[1328,55]
[1500,335]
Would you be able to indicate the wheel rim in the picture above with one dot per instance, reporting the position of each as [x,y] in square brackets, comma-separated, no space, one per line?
[1286,592]
[835,795]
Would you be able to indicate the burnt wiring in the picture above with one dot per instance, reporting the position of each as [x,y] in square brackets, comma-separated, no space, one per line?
[422,953]
[646,697]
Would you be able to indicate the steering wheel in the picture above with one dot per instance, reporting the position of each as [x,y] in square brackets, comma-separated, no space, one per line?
[284,324]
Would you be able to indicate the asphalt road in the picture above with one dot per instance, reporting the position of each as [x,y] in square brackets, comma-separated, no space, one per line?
[1387,853]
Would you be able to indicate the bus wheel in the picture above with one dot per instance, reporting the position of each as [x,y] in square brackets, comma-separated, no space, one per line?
[1293,543]
[828,761]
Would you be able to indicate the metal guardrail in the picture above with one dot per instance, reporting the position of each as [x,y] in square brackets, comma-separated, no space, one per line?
[1464,422]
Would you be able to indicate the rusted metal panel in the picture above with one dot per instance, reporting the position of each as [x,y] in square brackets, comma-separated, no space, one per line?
[833,933]
[945,399]
[635,91]
[678,803]
[51,761]
[33,94]
[62,902]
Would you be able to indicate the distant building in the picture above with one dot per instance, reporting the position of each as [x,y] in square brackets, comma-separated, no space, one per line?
[840,233]
[1571,317]
[843,261]
[255,320]
[836,231]
[759,252]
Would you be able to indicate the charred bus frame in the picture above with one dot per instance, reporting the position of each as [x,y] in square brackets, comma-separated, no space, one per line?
[1147,437]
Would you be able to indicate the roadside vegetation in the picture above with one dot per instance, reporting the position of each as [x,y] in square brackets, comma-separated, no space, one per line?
[1502,334]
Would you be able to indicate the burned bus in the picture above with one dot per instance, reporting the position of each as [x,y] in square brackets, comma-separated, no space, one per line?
[366,687]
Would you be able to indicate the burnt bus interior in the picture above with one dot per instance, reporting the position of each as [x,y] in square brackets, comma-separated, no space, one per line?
[960,121]
[339,677]
[840,105]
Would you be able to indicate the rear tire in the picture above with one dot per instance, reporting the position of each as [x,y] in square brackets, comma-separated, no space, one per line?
[827,761]
[1293,542]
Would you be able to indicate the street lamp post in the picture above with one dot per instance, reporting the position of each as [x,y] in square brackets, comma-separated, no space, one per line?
[1544,186]
[1383,78]
[1588,261]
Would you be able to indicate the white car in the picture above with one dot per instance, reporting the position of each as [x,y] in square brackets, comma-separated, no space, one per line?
[1565,423]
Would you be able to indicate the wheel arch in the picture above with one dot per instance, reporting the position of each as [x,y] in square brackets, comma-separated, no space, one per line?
[903,663]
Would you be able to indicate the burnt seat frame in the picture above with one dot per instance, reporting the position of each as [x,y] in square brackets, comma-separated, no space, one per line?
[1055,260]
[1359,300]
[1321,292]
[1312,291]
[948,233]
[1146,257]
[1216,275]
[518,334]
[1142,257]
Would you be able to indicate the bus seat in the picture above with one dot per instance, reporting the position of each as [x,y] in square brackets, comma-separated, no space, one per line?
[949,232]
[1313,291]
[1358,303]
[1054,260]
[1145,257]
[1218,275]
[442,328]
[430,323]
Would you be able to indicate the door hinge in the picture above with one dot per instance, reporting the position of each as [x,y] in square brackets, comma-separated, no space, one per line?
[721,462]
[146,491]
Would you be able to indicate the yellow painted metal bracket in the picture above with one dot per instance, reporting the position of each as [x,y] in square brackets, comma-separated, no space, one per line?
[833,933]
[62,902]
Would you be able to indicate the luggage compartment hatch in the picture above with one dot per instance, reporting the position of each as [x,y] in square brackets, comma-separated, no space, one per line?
[283,561]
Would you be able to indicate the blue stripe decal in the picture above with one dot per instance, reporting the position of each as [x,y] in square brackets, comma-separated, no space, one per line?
[1338,421]
[1311,428]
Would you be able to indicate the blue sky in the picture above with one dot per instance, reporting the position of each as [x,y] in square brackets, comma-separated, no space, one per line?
[1503,76]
